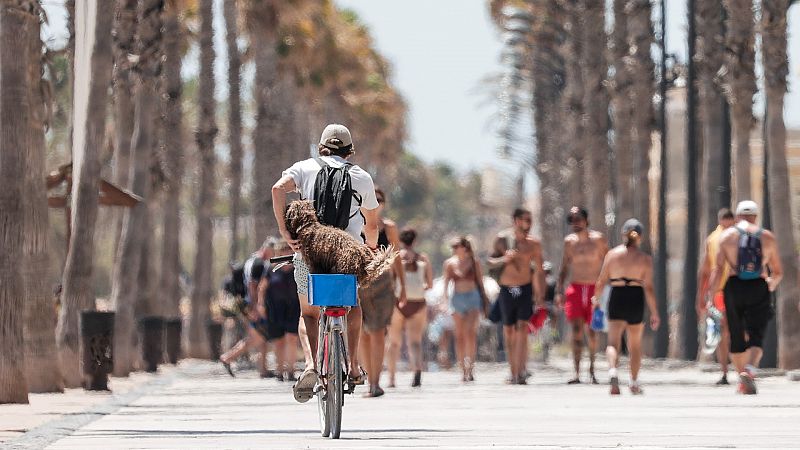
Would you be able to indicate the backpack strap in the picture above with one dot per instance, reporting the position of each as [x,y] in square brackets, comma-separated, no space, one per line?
[321,162]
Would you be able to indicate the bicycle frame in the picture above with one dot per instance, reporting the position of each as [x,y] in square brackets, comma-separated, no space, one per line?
[331,321]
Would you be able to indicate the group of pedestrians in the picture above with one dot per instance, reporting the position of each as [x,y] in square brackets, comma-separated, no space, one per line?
[393,308]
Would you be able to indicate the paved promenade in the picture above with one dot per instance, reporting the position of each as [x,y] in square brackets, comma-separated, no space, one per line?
[198,406]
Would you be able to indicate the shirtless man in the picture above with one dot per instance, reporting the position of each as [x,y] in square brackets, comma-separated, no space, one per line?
[521,280]
[584,251]
[706,296]
[747,250]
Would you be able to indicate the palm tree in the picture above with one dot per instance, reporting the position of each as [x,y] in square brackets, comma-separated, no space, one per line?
[622,107]
[641,67]
[776,69]
[124,38]
[42,369]
[90,101]
[15,20]
[146,100]
[548,87]
[174,33]
[234,121]
[709,59]
[204,135]
[595,105]
[572,100]
[262,22]
[740,85]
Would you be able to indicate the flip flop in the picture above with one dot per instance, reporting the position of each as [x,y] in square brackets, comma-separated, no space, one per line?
[227,367]
[303,389]
[358,380]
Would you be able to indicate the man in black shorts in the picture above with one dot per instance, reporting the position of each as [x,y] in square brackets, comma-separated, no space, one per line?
[749,251]
[518,257]
[279,291]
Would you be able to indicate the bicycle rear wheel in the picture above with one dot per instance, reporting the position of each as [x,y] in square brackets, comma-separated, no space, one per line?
[322,394]
[335,397]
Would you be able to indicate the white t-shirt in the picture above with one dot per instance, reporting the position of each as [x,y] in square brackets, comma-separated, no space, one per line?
[304,174]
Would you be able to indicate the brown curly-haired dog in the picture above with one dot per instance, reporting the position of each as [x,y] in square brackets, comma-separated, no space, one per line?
[330,250]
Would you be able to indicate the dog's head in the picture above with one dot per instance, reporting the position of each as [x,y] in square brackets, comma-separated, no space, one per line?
[299,214]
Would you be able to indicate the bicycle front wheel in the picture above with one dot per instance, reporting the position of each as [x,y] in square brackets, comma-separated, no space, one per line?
[335,397]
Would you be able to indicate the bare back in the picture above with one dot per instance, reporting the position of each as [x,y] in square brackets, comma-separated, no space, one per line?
[583,257]
[628,263]
[729,247]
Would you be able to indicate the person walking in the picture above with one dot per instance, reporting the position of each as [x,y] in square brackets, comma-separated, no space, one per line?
[750,253]
[629,271]
[410,316]
[279,290]
[335,148]
[584,251]
[378,301]
[725,220]
[466,303]
[255,311]
[518,258]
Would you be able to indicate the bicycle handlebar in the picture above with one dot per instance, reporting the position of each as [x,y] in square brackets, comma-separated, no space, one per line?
[281,259]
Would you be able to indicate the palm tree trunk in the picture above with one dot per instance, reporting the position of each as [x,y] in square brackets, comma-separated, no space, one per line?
[710,58]
[548,87]
[595,104]
[622,106]
[573,105]
[124,288]
[740,85]
[234,123]
[173,158]
[42,371]
[262,20]
[198,345]
[92,79]
[642,73]
[124,40]
[14,126]
[776,69]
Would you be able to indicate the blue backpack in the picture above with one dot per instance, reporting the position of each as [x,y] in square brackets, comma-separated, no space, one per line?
[750,259]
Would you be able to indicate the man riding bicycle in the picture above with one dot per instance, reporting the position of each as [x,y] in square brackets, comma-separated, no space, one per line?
[335,148]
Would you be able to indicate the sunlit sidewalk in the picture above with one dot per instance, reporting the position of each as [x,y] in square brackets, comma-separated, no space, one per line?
[197,405]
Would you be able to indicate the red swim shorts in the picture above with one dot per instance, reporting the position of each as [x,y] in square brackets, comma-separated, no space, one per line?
[578,304]
[719,301]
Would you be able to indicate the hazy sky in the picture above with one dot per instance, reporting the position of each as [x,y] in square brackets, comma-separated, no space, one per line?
[441,51]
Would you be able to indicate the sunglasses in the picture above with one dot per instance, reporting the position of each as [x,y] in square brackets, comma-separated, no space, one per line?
[574,219]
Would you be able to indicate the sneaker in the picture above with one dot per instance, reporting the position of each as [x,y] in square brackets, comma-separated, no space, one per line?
[290,376]
[303,389]
[636,389]
[615,386]
[722,381]
[269,374]
[747,385]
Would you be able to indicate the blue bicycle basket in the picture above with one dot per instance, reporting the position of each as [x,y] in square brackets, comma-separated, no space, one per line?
[332,290]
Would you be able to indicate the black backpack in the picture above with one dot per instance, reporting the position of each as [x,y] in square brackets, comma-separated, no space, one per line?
[334,194]
[750,259]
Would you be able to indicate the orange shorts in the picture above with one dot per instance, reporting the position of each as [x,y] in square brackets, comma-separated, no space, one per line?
[719,301]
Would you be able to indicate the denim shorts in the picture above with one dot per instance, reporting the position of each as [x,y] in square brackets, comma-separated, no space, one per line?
[464,302]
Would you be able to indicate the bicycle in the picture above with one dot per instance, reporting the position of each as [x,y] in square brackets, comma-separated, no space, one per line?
[335,295]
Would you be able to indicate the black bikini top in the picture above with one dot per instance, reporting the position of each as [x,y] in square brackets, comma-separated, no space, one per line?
[627,281]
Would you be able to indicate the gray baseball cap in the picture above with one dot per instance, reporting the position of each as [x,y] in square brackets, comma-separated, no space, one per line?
[632,225]
[336,136]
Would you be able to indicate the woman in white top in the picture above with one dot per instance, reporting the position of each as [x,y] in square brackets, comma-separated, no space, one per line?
[410,315]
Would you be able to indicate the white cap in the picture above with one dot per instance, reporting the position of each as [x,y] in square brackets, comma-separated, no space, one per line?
[747,208]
